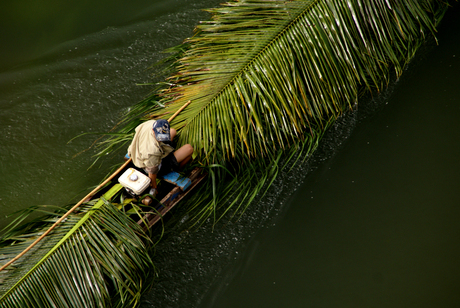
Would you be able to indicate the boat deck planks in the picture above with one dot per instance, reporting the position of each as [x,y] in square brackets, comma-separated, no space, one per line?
[170,200]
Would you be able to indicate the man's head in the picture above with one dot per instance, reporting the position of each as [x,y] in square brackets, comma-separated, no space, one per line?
[161,130]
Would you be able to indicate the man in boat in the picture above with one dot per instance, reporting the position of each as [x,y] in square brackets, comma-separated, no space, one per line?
[151,150]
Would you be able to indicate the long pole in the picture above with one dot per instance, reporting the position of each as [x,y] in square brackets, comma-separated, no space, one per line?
[86,198]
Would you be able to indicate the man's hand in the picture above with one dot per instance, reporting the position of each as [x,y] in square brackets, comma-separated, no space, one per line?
[153,192]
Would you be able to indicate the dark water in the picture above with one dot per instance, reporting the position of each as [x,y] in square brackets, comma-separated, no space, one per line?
[371,221]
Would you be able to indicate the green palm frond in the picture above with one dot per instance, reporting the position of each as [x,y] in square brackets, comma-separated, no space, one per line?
[269,76]
[96,258]
[262,74]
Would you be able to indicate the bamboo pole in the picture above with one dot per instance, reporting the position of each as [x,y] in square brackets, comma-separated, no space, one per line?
[85,199]
[178,111]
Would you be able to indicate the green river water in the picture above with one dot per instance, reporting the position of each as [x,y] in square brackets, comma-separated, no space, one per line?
[372,220]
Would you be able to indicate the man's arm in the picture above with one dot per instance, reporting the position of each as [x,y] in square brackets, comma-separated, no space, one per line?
[152,172]
[153,180]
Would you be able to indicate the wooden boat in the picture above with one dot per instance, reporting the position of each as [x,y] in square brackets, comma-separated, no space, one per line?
[173,187]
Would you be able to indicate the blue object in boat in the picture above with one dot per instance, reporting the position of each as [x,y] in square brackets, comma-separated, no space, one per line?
[176,179]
